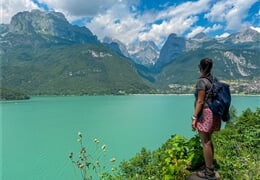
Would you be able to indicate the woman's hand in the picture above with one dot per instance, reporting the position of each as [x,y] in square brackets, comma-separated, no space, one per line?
[194,123]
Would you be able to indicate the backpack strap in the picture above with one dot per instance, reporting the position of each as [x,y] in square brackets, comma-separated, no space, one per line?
[211,87]
[211,80]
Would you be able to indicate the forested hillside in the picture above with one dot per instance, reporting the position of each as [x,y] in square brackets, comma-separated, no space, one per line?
[70,70]
[8,94]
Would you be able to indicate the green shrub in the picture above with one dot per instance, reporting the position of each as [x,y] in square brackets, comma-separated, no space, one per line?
[174,159]
[237,147]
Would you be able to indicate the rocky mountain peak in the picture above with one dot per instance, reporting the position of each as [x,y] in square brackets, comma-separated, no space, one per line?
[148,44]
[37,21]
[50,26]
[172,35]
[173,47]
[175,41]
[142,45]
[116,46]
[200,35]
[145,53]
[245,35]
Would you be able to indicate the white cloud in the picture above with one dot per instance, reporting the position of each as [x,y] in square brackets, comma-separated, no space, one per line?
[159,32]
[117,23]
[71,8]
[74,10]
[195,31]
[186,9]
[224,35]
[175,19]
[11,7]
[233,12]
[145,26]
[80,7]
[200,29]
[255,28]
[215,27]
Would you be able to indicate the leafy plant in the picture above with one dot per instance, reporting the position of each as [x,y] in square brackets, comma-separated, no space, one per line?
[237,147]
[173,160]
[91,165]
[181,155]
[143,166]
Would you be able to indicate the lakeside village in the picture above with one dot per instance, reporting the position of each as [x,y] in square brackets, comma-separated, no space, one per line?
[236,87]
[240,87]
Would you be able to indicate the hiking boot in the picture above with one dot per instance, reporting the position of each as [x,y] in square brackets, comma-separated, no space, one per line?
[207,173]
[215,164]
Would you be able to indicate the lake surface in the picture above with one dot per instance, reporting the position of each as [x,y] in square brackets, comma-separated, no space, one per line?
[37,135]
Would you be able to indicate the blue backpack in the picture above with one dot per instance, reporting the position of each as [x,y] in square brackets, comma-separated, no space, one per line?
[221,99]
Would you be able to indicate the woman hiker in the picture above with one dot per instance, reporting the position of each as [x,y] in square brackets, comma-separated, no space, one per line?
[203,120]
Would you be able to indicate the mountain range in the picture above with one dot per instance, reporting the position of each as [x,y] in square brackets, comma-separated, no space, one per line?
[235,58]
[42,53]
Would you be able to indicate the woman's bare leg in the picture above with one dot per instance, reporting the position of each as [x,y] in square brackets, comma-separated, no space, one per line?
[208,150]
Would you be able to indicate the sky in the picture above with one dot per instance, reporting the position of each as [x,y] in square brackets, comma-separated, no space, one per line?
[131,21]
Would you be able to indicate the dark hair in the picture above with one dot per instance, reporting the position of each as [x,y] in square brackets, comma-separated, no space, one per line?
[206,65]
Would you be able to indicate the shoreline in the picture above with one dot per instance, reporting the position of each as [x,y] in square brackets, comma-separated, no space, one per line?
[159,94]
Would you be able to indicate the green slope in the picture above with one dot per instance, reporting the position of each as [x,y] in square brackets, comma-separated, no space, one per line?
[184,69]
[67,70]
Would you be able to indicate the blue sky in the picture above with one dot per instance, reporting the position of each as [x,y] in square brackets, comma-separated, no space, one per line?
[137,20]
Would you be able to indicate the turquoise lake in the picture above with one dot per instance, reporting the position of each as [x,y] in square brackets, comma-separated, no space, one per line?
[37,135]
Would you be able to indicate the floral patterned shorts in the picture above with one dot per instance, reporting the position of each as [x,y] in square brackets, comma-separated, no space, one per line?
[208,123]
